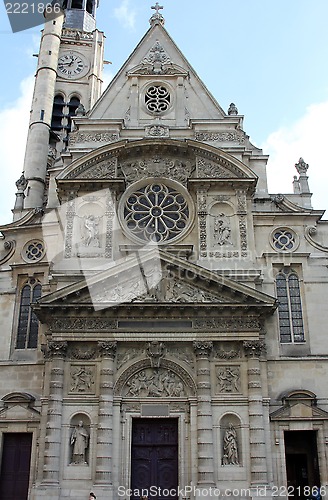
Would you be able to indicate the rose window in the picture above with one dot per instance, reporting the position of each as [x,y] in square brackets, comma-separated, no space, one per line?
[157,99]
[33,251]
[156,213]
[284,240]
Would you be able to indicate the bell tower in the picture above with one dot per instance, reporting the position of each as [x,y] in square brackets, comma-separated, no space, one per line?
[68,82]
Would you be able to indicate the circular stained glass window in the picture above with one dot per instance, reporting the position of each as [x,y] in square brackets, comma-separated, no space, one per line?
[284,240]
[157,99]
[156,212]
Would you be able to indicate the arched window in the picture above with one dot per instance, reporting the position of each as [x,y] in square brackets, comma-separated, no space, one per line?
[57,113]
[290,307]
[28,325]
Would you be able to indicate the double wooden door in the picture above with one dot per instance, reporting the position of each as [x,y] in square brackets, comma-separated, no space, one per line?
[15,465]
[154,455]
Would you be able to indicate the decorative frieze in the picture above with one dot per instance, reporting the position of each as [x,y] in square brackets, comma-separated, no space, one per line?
[227,324]
[82,324]
[103,170]
[157,131]
[82,137]
[154,383]
[228,379]
[208,168]
[157,166]
[234,136]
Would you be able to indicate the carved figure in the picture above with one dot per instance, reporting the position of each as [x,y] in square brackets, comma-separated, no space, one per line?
[80,442]
[91,230]
[82,379]
[228,379]
[222,230]
[230,447]
[155,383]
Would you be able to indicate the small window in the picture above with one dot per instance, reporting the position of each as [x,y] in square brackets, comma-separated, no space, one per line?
[157,99]
[28,325]
[90,6]
[77,4]
[57,114]
[289,307]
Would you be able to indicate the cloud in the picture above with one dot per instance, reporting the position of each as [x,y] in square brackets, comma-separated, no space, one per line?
[304,138]
[125,14]
[13,133]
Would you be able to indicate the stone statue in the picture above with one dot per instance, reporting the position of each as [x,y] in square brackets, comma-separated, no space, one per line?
[230,447]
[79,442]
[222,230]
[233,110]
[91,231]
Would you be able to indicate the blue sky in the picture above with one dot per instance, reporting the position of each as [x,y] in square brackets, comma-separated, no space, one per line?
[269,57]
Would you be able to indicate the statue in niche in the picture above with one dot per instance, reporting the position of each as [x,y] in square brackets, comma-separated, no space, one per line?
[80,442]
[90,231]
[230,447]
[228,379]
[222,230]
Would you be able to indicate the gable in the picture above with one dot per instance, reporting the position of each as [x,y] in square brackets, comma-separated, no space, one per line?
[156,61]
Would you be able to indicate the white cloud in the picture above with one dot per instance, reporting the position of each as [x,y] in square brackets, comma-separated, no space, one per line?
[306,138]
[13,133]
[125,14]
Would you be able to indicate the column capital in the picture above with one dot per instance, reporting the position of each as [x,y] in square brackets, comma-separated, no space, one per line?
[254,348]
[107,349]
[203,348]
[55,349]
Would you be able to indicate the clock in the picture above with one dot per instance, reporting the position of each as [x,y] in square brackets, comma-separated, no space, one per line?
[72,65]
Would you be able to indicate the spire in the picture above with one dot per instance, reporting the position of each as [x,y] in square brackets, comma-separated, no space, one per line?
[157,17]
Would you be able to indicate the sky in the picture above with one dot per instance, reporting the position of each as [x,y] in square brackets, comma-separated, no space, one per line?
[269,57]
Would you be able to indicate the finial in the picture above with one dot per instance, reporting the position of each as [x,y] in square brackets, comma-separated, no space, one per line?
[157,17]
[301,166]
[233,110]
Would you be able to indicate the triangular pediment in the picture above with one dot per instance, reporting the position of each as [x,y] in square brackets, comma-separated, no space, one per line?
[299,411]
[155,276]
[155,59]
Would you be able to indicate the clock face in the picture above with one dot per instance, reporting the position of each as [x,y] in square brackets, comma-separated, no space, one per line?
[72,65]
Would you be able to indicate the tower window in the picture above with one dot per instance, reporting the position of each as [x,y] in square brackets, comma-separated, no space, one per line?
[290,307]
[57,113]
[90,4]
[77,4]
[28,325]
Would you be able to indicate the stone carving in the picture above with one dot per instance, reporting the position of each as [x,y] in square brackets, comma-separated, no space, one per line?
[202,348]
[70,216]
[81,353]
[254,348]
[80,111]
[228,379]
[233,136]
[55,349]
[243,235]
[79,441]
[241,202]
[125,356]
[233,110]
[80,137]
[207,168]
[155,383]
[109,217]
[82,324]
[226,354]
[183,292]
[76,35]
[230,447]
[182,354]
[157,167]
[107,349]
[227,324]
[82,379]
[301,166]
[157,131]
[90,231]
[202,216]
[103,170]
[155,351]
[157,58]
[222,230]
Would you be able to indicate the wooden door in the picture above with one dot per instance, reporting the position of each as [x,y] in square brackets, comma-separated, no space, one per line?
[155,456]
[15,465]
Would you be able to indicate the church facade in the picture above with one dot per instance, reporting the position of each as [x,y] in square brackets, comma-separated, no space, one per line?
[162,314]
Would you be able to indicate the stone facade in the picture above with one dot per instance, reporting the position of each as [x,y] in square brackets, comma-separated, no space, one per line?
[149,276]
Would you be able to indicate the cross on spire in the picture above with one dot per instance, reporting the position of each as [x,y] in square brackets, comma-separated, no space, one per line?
[157,7]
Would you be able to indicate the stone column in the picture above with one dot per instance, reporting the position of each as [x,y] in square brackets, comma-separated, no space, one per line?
[258,462]
[104,450]
[204,414]
[56,351]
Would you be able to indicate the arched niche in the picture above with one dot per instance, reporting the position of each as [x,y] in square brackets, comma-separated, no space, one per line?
[230,440]
[79,440]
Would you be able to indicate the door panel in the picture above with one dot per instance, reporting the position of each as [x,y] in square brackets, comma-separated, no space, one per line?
[154,455]
[15,465]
